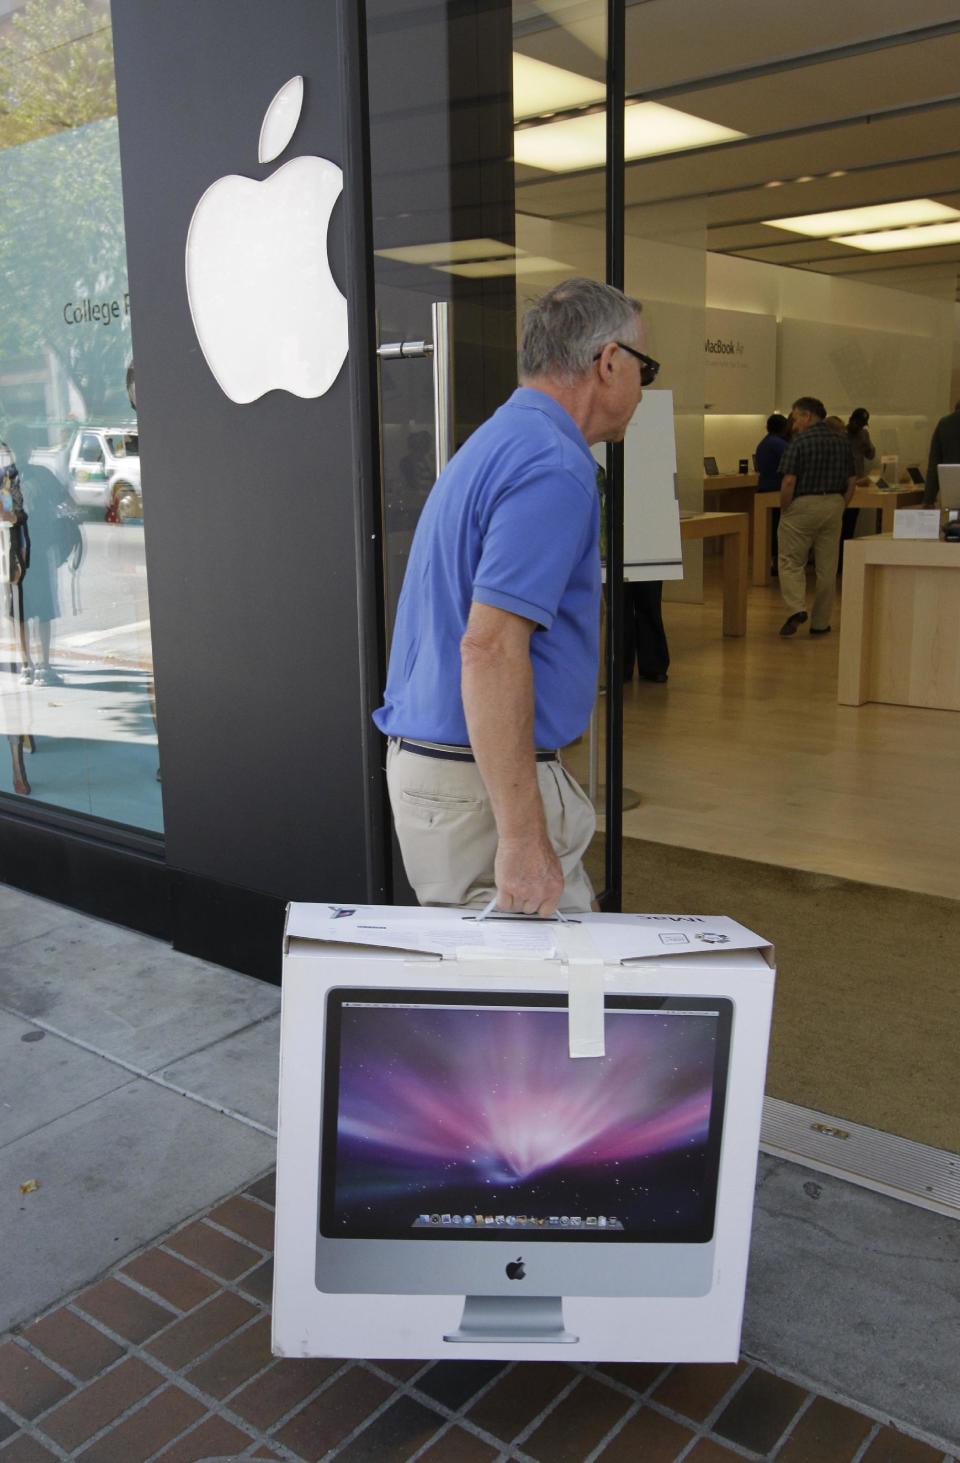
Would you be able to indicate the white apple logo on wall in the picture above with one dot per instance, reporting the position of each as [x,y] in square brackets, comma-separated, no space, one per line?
[266,309]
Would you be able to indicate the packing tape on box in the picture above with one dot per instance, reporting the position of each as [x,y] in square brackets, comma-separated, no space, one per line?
[584,965]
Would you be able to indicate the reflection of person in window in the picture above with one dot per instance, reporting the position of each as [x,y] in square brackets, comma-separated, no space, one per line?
[416,470]
[13,518]
[51,536]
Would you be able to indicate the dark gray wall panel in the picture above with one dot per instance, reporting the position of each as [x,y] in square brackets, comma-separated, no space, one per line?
[259,517]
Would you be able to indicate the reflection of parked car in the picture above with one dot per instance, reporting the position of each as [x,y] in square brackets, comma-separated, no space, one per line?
[104,472]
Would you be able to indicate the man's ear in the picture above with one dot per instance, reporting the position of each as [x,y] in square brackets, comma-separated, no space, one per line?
[604,361]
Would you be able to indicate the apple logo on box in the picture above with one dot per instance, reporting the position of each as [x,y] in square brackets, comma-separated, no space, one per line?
[266,309]
[516,1270]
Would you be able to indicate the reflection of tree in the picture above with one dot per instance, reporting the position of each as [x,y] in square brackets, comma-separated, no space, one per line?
[61,220]
[56,69]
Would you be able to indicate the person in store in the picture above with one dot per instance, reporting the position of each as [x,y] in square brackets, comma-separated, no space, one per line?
[495,652]
[944,447]
[767,457]
[645,647]
[817,480]
[863,448]
[645,644]
[863,452]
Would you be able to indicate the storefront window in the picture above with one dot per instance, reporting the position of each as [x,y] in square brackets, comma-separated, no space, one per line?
[76,672]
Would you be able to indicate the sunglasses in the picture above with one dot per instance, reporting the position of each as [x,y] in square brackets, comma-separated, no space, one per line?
[649,368]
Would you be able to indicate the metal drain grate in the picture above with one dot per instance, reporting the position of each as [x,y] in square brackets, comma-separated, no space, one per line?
[914,1172]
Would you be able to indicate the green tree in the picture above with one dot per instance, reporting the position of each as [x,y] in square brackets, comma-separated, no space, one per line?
[61,221]
[56,69]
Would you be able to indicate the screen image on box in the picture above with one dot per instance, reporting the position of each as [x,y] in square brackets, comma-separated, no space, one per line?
[455,1115]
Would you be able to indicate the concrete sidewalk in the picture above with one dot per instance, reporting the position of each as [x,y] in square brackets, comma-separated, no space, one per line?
[137,1105]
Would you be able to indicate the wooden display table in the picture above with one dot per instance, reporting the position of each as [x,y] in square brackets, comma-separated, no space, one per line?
[898,628]
[763,506]
[733,530]
[730,492]
[729,482]
[887,500]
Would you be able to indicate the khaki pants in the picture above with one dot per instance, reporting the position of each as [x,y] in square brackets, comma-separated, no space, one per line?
[448,837]
[812,521]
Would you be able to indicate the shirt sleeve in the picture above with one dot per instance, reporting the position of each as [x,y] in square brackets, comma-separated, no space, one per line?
[534,535]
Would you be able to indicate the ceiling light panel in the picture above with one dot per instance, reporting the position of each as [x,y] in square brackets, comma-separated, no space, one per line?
[497,268]
[448,249]
[651,130]
[860,220]
[889,239]
[539,88]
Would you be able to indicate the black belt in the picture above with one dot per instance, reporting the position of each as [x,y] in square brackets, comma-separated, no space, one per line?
[453,754]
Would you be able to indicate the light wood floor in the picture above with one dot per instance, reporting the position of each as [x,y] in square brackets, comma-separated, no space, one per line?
[745,751]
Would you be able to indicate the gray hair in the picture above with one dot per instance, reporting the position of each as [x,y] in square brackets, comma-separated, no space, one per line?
[567,327]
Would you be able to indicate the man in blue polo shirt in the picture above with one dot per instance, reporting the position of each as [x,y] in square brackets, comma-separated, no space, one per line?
[494,660]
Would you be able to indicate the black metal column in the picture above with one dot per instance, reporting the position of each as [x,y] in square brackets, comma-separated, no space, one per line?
[612,896]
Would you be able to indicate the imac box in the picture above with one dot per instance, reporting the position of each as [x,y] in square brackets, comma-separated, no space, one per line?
[452,1182]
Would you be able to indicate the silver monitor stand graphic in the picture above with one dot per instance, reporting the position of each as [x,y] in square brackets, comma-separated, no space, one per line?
[510,1319]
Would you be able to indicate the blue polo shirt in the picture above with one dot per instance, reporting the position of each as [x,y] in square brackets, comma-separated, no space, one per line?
[513,521]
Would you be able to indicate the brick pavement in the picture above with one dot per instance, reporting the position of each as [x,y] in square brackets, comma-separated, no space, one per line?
[167,1360]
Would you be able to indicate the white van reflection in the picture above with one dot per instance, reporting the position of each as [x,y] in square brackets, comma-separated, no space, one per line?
[104,472]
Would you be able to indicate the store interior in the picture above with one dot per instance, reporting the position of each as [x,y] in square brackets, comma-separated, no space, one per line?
[748,785]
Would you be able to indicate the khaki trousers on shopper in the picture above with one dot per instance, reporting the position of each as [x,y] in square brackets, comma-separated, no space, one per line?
[448,836]
[812,521]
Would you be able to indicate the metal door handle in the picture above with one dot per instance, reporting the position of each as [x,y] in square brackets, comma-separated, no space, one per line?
[440,349]
[442,383]
[405,350]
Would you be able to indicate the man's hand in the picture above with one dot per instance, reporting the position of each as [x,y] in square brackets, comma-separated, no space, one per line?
[788,485]
[528,874]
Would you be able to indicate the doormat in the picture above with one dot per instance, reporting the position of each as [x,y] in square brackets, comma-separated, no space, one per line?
[868,981]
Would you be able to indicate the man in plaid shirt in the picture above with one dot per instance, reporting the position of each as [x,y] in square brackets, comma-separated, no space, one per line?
[817,479]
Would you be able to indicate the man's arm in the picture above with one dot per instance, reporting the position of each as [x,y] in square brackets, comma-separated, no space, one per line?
[851,489]
[498,701]
[788,485]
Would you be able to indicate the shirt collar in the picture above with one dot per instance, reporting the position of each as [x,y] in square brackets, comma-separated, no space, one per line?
[530,399]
